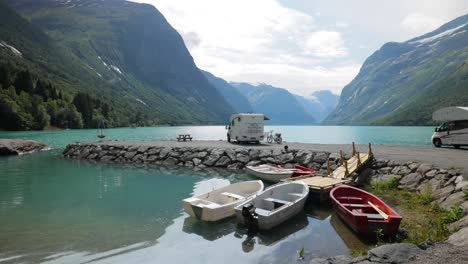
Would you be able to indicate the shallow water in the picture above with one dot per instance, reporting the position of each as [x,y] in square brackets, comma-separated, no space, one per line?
[56,210]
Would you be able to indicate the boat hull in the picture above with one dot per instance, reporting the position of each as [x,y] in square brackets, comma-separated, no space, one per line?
[201,212]
[353,207]
[267,215]
[219,204]
[270,176]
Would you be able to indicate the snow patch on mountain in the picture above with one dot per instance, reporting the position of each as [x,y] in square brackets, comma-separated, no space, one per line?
[141,101]
[443,34]
[11,48]
[115,68]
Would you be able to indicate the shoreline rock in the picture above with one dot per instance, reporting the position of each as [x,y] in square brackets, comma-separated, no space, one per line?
[20,146]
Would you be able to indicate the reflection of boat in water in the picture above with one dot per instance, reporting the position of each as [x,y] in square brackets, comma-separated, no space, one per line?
[101,126]
[269,238]
[318,211]
[350,238]
[209,230]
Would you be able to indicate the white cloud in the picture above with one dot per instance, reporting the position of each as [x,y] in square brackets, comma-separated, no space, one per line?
[260,41]
[326,44]
[419,23]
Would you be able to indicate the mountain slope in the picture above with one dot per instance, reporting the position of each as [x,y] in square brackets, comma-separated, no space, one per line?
[401,78]
[319,104]
[39,81]
[238,102]
[133,49]
[449,91]
[278,104]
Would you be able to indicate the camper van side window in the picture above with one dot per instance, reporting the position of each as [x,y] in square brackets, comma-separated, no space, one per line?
[460,125]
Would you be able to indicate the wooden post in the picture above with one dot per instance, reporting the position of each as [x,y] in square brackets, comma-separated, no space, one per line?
[346,168]
[341,158]
[328,168]
[358,159]
[370,150]
[354,150]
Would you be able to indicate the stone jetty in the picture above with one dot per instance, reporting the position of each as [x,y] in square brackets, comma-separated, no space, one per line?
[197,155]
[20,146]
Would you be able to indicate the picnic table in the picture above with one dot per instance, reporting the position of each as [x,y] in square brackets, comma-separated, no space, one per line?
[184,137]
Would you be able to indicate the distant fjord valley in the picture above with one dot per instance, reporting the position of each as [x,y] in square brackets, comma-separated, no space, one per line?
[121,63]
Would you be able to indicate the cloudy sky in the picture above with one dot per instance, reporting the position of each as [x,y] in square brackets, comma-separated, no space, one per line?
[300,45]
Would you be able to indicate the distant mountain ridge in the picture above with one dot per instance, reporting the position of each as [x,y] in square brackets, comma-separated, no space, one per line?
[238,101]
[124,52]
[403,83]
[278,104]
[319,104]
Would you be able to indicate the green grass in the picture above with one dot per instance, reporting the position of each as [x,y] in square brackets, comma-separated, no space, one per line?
[422,219]
[455,168]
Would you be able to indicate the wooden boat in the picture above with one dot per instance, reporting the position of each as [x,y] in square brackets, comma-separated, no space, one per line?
[219,204]
[363,211]
[277,173]
[273,206]
[298,170]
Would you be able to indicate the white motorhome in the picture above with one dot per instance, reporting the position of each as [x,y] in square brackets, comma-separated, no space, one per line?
[454,130]
[246,127]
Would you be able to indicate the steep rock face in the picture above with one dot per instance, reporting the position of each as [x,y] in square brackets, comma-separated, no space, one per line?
[133,49]
[278,104]
[238,102]
[403,83]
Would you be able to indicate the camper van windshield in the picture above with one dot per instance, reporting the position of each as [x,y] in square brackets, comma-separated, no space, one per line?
[443,127]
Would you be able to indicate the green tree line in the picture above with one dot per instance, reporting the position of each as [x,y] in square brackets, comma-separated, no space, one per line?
[31,103]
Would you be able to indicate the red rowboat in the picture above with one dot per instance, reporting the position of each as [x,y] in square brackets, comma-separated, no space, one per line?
[299,170]
[363,211]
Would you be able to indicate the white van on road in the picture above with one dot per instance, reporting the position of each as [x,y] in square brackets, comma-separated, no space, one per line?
[454,131]
[246,127]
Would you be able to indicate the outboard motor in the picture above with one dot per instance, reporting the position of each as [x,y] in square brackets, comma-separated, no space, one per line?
[250,218]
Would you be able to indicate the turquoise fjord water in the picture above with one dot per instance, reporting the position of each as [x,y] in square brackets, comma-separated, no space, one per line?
[55,210]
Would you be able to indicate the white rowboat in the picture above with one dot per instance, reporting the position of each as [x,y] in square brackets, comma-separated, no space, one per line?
[277,173]
[273,206]
[269,173]
[219,204]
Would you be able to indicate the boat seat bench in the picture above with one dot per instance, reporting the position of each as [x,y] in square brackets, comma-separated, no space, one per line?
[374,216]
[349,198]
[295,194]
[274,200]
[356,205]
[260,211]
[233,195]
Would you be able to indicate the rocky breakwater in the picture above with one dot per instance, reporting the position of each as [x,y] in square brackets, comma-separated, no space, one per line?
[20,146]
[447,187]
[198,156]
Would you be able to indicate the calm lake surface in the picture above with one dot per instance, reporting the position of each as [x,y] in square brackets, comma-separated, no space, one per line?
[55,210]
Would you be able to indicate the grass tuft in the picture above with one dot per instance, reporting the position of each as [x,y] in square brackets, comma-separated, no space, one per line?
[422,219]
